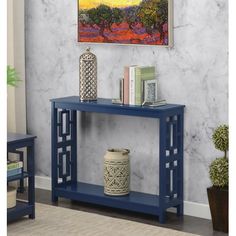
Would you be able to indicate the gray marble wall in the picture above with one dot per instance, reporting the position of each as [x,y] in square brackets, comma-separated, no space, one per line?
[193,73]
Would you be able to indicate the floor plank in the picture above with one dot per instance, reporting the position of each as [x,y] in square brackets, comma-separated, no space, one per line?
[186,224]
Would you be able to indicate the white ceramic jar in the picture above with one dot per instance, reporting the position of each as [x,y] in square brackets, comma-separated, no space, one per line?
[116,172]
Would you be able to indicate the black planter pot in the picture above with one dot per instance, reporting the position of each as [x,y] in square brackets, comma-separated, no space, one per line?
[218,201]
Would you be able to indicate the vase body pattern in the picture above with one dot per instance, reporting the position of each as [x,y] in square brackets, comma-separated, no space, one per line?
[88,76]
[116,172]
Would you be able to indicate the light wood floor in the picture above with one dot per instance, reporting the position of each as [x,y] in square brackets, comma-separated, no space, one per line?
[186,224]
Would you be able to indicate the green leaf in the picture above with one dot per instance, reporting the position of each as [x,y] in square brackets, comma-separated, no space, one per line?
[12,77]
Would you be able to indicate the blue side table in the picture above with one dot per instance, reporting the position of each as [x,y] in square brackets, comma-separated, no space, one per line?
[22,208]
[64,156]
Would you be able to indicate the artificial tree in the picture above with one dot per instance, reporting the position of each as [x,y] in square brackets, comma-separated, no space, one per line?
[218,193]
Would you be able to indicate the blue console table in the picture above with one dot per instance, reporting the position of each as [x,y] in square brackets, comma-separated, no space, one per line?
[64,156]
[14,142]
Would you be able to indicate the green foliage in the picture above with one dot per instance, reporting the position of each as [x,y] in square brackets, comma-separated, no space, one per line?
[117,15]
[162,11]
[153,14]
[219,167]
[219,172]
[131,16]
[221,138]
[101,16]
[93,16]
[12,77]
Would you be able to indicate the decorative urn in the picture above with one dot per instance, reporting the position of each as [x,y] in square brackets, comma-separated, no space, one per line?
[116,172]
[88,76]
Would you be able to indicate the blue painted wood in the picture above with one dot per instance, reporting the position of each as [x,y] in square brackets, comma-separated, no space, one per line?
[31,180]
[13,138]
[103,105]
[54,141]
[67,124]
[21,209]
[163,182]
[135,201]
[15,141]
[170,156]
[74,146]
[180,141]
[64,157]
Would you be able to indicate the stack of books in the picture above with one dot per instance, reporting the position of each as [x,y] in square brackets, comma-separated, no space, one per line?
[14,168]
[139,85]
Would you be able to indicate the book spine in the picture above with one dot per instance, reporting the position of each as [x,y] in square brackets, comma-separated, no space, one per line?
[138,87]
[14,172]
[126,85]
[132,86]
[122,91]
[14,165]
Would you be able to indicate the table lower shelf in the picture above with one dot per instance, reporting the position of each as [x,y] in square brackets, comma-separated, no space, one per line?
[21,209]
[135,201]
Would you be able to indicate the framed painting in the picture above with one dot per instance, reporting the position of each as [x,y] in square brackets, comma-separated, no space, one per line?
[140,22]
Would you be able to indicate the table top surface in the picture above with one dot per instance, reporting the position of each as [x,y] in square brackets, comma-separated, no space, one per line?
[107,103]
[15,137]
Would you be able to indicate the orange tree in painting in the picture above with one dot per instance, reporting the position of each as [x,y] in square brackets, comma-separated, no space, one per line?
[104,16]
[131,17]
[154,14]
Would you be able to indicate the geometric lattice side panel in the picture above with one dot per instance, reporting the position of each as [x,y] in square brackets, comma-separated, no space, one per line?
[172,142]
[172,179]
[64,123]
[172,136]
[64,165]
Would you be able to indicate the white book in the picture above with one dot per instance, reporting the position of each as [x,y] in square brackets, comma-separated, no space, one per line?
[132,85]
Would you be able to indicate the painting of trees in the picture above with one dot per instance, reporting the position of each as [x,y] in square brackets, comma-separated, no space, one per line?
[154,14]
[131,16]
[145,22]
[104,16]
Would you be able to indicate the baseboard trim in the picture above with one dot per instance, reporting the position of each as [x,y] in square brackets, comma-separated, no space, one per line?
[43,182]
[190,208]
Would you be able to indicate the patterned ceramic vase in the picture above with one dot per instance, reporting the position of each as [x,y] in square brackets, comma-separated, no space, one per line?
[88,76]
[116,172]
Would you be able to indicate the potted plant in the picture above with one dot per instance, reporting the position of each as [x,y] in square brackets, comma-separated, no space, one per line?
[12,76]
[218,193]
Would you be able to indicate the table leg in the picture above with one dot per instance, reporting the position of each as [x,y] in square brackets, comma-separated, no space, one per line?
[21,188]
[54,150]
[162,169]
[31,184]
[74,146]
[180,141]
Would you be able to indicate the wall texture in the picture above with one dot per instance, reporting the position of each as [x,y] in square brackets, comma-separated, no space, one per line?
[193,73]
